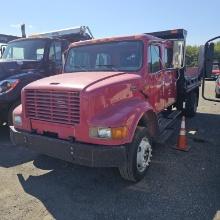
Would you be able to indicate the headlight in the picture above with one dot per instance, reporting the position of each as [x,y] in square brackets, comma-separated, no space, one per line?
[108,133]
[104,132]
[17,120]
[100,132]
[8,85]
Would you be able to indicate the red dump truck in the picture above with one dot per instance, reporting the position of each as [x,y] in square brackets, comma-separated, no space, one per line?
[30,58]
[116,96]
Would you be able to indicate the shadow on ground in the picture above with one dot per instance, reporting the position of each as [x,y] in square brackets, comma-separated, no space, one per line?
[177,184]
[10,155]
[4,134]
[206,128]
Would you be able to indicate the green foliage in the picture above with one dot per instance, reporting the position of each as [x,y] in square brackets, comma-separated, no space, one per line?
[217,50]
[192,54]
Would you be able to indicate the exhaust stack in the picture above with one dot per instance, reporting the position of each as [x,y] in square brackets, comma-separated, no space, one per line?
[23,34]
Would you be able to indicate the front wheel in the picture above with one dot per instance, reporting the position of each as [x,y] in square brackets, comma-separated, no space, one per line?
[139,154]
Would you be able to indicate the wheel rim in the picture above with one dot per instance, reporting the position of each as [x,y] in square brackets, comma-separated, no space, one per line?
[144,154]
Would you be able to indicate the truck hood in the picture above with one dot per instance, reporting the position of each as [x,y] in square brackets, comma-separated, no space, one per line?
[76,80]
[15,67]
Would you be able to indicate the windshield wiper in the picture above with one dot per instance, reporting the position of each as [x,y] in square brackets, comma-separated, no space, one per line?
[112,67]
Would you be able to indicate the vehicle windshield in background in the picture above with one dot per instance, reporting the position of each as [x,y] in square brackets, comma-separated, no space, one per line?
[216,67]
[25,50]
[112,56]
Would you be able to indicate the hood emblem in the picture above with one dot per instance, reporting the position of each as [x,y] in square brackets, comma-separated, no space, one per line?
[61,104]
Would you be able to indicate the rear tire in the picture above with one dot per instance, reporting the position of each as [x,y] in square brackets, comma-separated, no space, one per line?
[139,154]
[191,104]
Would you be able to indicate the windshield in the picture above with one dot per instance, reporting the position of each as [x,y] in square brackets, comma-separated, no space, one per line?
[215,67]
[112,56]
[25,50]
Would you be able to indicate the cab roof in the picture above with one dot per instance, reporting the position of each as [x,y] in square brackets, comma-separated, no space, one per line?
[142,37]
[30,38]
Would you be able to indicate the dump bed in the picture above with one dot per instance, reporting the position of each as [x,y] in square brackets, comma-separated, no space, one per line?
[70,34]
[176,34]
[4,39]
[192,72]
[192,79]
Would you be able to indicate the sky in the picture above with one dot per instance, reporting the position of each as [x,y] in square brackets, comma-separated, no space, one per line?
[113,18]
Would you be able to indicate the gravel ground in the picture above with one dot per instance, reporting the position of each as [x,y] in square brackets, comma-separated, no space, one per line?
[178,185]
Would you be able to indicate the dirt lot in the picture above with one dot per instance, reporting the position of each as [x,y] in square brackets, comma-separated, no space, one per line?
[178,185]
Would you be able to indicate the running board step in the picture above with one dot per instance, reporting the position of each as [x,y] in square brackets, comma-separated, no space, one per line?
[165,135]
[168,121]
[165,123]
[174,114]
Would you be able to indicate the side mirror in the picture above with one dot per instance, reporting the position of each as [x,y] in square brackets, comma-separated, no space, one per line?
[2,49]
[211,70]
[178,54]
[63,60]
[64,55]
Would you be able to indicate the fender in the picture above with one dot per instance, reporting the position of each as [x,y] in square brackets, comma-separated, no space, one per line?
[25,79]
[144,117]
[126,113]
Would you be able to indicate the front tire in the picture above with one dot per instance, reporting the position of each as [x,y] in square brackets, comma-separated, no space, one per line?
[139,154]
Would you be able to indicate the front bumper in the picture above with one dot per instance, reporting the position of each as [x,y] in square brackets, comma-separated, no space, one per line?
[75,152]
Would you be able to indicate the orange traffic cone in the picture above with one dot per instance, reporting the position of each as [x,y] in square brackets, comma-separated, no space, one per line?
[182,141]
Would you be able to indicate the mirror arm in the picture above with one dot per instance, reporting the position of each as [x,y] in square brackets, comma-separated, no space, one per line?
[214,38]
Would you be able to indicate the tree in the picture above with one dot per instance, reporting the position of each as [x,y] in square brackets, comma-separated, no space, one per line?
[217,50]
[192,54]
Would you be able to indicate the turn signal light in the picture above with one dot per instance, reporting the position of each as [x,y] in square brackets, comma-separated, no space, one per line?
[119,133]
[108,133]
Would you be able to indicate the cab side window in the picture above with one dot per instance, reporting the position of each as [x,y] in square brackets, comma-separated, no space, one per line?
[168,57]
[154,59]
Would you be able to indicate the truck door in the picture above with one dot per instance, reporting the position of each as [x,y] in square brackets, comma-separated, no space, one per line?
[154,77]
[55,58]
[170,77]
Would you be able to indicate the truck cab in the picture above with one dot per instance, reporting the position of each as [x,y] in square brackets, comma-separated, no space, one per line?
[115,97]
[28,59]
[4,39]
